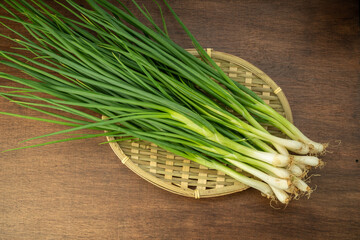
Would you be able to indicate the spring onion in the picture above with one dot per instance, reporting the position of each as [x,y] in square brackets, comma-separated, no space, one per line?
[106,60]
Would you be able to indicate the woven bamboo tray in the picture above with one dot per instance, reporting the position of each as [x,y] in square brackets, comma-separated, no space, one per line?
[182,176]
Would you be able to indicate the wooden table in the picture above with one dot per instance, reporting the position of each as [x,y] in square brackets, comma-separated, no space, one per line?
[80,190]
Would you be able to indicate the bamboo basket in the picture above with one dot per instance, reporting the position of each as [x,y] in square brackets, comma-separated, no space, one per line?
[182,176]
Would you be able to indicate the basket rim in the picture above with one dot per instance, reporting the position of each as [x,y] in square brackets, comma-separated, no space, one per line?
[204,193]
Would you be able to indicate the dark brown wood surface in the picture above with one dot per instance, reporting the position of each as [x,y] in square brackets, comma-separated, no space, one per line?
[80,190]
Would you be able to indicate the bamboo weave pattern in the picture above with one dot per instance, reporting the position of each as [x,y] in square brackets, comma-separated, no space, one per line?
[182,176]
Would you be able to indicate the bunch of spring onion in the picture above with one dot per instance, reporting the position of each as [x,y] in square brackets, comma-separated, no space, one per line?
[104,59]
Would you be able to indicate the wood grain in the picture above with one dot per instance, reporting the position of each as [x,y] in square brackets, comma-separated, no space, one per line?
[80,190]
